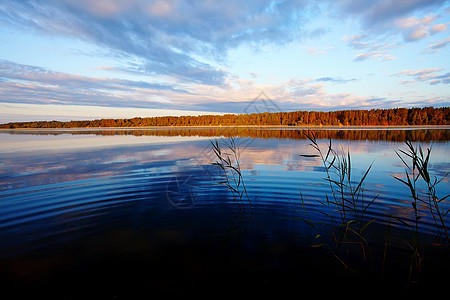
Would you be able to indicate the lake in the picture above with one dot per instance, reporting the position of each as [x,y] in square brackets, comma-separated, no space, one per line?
[117,212]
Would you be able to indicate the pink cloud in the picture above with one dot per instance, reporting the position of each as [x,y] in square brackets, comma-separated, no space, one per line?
[414,29]
[434,48]
[424,75]
[438,28]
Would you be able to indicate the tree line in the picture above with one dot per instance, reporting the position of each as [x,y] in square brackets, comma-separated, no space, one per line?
[373,117]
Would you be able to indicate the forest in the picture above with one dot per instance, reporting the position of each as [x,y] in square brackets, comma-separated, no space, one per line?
[373,117]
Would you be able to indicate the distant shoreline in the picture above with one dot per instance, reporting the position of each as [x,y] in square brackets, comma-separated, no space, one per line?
[380,118]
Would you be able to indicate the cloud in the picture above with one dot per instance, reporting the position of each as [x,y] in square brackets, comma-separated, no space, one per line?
[28,84]
[294,94]
[371,49]
[35,85]
[381,17]
[14,112]
[374,54]
[314,51]
[165,37]
[334,79]
[18,72]
[414,29]
[360,42]
[384,19]
[434,48]
[32,84]
[430,76]
[187,41]
[438,28]
[380,14]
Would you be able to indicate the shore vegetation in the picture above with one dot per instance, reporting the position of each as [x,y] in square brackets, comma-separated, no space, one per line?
[373,117]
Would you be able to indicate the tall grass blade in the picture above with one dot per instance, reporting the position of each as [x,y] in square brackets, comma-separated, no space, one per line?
[229,163]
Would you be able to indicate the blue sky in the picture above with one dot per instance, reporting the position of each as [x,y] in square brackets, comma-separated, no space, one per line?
[82,59]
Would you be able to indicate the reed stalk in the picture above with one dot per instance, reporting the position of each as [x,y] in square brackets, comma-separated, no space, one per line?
[228,161]
[346,200]
[347,192]
[344,209]
[414,171]
[422,187]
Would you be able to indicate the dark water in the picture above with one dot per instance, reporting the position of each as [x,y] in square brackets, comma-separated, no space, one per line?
[115,213]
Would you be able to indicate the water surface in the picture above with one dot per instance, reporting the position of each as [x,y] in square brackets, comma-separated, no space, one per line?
[123,210]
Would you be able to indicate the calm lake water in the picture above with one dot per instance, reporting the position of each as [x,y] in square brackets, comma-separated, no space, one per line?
[114,212]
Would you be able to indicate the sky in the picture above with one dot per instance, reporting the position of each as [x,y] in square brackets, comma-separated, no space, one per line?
[82,59]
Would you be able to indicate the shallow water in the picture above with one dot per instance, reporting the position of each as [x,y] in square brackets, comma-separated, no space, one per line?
[126,210]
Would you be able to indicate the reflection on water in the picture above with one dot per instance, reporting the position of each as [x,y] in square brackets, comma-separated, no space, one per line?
[78,206]
[398,134]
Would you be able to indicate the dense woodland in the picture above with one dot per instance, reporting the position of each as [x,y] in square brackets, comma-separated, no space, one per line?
[374,117]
